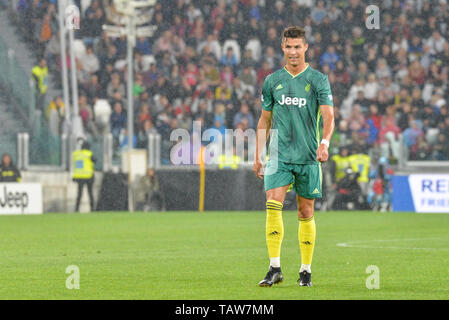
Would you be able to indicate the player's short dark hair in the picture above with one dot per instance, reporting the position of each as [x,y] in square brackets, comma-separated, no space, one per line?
[294,32]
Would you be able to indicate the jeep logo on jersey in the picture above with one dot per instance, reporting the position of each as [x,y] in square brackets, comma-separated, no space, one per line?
[289,101]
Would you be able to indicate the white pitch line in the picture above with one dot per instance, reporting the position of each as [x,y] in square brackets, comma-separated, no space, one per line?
[359,244]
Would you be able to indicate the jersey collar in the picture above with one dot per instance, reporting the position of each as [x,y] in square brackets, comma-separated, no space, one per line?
[307,67]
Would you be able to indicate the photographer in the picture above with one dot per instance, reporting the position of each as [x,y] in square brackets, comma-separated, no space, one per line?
[349,194]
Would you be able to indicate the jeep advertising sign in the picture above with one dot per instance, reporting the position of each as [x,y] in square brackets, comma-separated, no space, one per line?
[21,198]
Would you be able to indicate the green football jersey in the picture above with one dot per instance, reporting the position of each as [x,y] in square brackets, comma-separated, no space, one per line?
[294,102]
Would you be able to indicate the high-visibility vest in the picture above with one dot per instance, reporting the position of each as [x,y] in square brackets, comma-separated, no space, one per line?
[83,166]
[42,76]
[341,163]
[228,162]
[361,163]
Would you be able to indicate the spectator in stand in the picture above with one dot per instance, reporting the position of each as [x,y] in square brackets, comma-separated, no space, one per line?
[142,138]
[389,88]
[40,77]
[371,87]
[388,125]
[436,42]
[412,133]
[404,114]
[90,61]
[44,33]
[116,89]
[263,72]
[440,150]
[164,43]
[144,114]
[92,89]
[415,48]
[219,125]
[56,105]
[248,59]
[318,13]
[87,116]
[370,132]
[356,119]
[362,101]
[330,57]
[227,76]
[416,73]
[93,25]
[402,97]
[143,46]
[117,121]
[248,78]
[8,171]
[383,70]
[229,59]
[244,114]
[223,92]
[421,150]
[212,75]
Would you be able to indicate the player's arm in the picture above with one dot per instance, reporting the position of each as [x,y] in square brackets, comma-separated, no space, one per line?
[262,134]
[327,112]
[326,104]
[263,126]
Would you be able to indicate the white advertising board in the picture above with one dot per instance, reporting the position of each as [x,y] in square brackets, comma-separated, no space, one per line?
[430,192]
[21,198]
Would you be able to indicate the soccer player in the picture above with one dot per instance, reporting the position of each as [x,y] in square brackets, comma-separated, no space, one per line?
[294,99]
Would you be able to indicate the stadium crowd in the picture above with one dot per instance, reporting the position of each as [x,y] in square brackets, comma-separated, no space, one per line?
[208,59]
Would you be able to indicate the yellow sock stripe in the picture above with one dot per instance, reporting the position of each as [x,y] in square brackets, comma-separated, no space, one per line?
[275,202]
[274,205]
[274,210]
[306,219]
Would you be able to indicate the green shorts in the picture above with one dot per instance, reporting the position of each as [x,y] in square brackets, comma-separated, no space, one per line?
[306,178]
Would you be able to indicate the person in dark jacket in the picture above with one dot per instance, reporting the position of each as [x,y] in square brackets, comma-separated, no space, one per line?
[8,171]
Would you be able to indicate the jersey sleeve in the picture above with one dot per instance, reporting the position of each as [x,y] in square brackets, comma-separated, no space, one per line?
[323,91]
[267,95]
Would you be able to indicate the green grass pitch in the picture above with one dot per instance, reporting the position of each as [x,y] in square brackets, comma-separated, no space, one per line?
[220,255]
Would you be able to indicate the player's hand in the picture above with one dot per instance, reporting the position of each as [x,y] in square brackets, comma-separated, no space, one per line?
[322,153]
[258,169]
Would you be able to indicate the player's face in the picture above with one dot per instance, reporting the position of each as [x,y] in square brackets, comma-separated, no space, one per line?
[294,50]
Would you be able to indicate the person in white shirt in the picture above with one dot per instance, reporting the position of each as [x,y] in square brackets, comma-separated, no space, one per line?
[90,61]
[436,43]
[371,87]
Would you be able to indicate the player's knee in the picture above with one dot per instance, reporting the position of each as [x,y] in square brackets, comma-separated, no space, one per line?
[305,211]
[275,199]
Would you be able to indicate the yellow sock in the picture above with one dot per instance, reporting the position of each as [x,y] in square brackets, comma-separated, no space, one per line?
[274,229]
[306,236]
